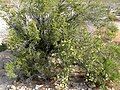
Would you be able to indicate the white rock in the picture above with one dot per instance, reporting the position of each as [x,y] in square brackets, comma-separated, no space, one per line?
[38,86]
[82,89]
[13,87]
[3,30]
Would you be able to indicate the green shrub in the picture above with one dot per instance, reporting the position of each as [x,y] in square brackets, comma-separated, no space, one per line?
[49,37]
[3,47]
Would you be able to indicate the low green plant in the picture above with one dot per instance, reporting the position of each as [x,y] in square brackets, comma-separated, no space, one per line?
[3,47]
[49,37]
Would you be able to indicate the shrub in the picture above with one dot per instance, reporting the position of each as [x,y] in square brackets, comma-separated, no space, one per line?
[3,47]
[48,37]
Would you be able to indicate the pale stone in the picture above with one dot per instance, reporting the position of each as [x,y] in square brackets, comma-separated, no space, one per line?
[38,86]
[3,30]
[13,87]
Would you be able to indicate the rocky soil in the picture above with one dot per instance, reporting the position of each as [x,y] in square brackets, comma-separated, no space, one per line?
[4,80]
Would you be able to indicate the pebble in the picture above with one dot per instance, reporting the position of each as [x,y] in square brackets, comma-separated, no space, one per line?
[13,87]
[38,86]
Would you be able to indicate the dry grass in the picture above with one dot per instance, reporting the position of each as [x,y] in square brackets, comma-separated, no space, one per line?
[117,38]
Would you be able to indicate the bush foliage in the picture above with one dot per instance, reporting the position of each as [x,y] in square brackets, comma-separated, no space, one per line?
[48,37]
[3,47]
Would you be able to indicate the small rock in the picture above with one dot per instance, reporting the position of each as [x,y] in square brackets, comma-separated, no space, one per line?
[38,86]
[13,87]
